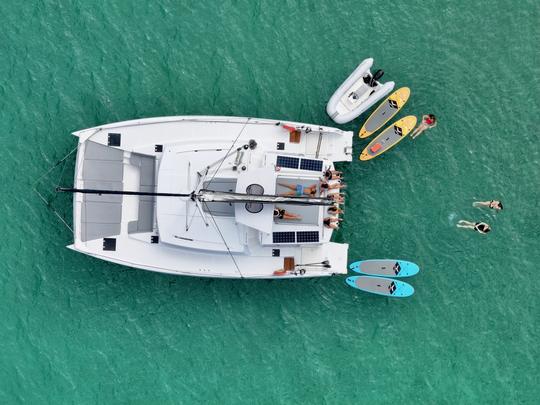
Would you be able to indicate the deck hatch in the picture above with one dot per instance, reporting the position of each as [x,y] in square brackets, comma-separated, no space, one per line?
[109,244]
[114,139]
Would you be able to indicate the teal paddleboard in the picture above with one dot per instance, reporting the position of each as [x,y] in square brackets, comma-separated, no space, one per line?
[385,268]
[381,286]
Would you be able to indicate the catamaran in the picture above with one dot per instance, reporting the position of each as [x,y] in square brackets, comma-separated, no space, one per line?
[206,196]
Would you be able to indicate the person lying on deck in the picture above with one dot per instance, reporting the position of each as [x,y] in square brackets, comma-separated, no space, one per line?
[280,213]
[299,190]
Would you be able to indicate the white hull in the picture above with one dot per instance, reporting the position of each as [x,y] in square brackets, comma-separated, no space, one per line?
[354,97]
[167,155]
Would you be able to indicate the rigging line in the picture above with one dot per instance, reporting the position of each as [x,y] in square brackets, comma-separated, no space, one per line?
[225,157]
[55,166]
[223,239]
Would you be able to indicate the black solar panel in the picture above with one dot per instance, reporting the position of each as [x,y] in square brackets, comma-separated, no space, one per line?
[288,161]
[311,164]
[307,236]
[283,237]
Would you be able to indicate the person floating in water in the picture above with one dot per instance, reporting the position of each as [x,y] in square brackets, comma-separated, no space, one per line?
[280,213]
[493,204]
[480,227]
[299,190]
[332,222]
[428,121]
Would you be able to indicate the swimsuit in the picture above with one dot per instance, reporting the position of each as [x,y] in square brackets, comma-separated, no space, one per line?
[279,214]
[477,226]
[299,190]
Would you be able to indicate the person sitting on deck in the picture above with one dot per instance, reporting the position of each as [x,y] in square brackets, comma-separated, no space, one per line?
[332,222]
[332,174]
[280,213]
[299,190]
[337,198]
[332,186]
[335,210]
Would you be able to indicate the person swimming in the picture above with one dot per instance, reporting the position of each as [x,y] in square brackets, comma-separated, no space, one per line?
[280,213]
[428,121]
[493,204]
[480,227]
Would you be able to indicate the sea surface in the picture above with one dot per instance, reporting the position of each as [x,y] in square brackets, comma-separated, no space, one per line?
[76,330]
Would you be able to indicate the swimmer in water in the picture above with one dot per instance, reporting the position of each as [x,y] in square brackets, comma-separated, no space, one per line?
[428,121]
[480,227]
[493,204]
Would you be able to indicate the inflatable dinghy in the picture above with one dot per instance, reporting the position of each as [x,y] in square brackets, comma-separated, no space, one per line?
[358,93]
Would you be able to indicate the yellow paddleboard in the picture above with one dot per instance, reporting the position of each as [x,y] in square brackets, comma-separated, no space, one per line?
[389,138]
[385,111]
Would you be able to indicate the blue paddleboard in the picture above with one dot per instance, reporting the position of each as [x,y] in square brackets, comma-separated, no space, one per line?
[381,286]
[385,268]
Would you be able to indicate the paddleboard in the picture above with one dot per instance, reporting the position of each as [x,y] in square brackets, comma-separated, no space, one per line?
[381,286]
[389,138]
[385,111]
[385,268]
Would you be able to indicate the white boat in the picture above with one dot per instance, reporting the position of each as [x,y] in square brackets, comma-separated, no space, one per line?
[358,93]
[195,195]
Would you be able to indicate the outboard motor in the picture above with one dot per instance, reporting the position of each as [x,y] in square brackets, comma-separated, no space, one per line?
[371,80]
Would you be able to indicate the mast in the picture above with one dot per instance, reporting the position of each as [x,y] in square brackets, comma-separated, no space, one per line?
[212,196]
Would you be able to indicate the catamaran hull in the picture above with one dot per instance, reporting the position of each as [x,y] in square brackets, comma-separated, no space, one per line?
[149,233]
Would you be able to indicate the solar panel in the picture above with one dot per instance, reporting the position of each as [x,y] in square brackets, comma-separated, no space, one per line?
[288,161]
[283,237]
[307,236]
[311,164]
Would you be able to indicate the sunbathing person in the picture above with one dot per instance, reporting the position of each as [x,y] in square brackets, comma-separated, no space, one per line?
[299,190]
[280,213]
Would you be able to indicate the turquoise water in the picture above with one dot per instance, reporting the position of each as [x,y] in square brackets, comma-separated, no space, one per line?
[78,330]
